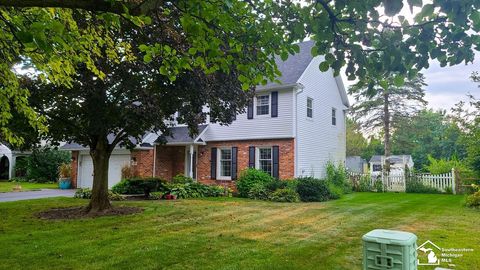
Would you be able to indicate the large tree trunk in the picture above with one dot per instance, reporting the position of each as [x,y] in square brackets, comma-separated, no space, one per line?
[100,156]
[386,129]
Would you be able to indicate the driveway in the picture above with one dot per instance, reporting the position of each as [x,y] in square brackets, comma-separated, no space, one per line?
[29,195]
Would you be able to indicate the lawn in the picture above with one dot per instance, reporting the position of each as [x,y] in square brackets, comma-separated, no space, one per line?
[8,186]
[231,233]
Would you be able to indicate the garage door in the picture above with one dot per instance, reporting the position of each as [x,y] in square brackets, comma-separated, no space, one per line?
[85,178]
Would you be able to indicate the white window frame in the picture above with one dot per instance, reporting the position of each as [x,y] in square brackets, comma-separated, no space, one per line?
[334,116]
[310,108]
[257,157]
[219,163]
[268,104]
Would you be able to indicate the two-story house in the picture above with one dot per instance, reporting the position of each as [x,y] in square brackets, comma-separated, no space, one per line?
[288,130]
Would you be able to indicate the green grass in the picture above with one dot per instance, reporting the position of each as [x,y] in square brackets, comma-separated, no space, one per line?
[8,186]
[231,233]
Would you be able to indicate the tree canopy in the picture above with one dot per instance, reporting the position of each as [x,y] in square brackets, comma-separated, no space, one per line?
[370,38]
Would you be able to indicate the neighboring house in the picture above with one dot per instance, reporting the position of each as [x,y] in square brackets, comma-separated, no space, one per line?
[356,164]
[288,130]
[398,163]
[8,157]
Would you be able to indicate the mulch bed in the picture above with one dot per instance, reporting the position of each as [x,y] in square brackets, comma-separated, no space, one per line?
[80,212]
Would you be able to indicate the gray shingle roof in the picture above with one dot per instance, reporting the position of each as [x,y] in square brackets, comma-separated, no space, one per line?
[146,141]
[294,66]
[180,135]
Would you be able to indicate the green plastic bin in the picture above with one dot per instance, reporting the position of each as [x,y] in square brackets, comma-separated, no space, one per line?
[387,249]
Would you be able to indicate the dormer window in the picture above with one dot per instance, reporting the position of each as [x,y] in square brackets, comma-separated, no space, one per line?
[263,105]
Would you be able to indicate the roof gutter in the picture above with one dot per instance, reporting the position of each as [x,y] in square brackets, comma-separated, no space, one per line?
[279,87]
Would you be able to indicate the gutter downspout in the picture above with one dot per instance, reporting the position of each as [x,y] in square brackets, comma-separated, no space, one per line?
[154,159]
[297,90]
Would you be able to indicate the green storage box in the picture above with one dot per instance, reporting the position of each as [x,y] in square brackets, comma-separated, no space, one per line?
[387,249]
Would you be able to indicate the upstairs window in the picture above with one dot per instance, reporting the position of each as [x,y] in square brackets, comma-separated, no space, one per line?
[310,107]
[264,157]
[334,116]
[263,105]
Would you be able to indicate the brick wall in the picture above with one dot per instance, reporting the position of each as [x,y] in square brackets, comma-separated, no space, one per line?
[74,164]
[286,158]
[170,161]
[144,162]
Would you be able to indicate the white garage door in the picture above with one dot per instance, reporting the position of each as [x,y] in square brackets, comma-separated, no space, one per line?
[85,177]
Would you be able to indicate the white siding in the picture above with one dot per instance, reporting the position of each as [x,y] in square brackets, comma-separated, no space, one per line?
[318,141]
[260,127]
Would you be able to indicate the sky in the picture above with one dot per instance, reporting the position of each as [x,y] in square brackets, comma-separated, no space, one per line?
[446,86]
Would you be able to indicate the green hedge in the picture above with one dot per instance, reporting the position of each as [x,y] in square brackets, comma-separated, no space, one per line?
[139,186]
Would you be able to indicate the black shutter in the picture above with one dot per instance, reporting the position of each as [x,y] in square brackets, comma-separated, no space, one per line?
[275,104]
[275,157]
[251,157]
[234,163]
[213,163]
[250,109]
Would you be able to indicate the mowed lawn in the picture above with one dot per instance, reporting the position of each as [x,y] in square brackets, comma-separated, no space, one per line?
[8,186]
[230,233]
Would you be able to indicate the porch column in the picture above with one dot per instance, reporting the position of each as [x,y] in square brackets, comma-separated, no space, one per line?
[190,173]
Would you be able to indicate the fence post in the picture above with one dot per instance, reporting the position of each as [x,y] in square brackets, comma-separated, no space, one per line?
[453,182]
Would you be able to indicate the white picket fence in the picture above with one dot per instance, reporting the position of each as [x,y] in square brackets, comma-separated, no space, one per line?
[397,182]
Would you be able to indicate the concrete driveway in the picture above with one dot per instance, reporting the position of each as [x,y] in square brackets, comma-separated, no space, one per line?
[29,195]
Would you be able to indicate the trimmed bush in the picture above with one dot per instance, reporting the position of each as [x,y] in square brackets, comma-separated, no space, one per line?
[313,190]
[139,186]
[285,195]
[249,178]
[259,192]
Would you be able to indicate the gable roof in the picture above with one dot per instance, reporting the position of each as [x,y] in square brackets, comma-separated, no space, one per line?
[181,135]
[293,68]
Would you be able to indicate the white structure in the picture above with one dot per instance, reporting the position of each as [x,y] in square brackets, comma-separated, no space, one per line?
[8,158]
[398,163]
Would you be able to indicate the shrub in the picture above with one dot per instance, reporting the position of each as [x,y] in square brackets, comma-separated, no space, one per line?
[249,178]
[338,177]
[364,184]
[219,191]
[313,190]
[335,191]
[196,190]
[86,193]
[181,179]
[285,195]
[473,200]
[259,192]
[440,166]
[43,164]
[378,186]
[139,186]
[414,185]
[157,195]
